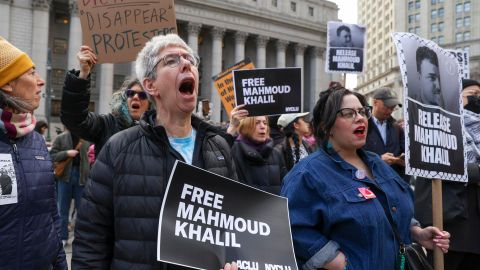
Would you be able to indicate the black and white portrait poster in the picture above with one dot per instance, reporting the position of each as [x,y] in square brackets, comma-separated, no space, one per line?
[434,140]
[464,62]
[345,47]
[207,220]
[269,91]
[8,180]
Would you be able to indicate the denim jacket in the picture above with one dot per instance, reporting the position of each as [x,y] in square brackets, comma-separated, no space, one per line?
[328,213]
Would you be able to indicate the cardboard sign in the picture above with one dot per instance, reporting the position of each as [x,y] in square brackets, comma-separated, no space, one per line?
[269,91]
[117,30]
[434,141]
[464,61]
[207,220]
[345,47]
[224,84]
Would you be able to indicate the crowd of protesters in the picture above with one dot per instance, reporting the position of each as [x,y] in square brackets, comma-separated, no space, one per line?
[121,161]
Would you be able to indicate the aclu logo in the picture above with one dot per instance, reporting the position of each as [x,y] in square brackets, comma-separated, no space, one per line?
[292,109]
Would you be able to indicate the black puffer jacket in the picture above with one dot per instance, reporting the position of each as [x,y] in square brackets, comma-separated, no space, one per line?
[117,223]
[95,128]
[263,169]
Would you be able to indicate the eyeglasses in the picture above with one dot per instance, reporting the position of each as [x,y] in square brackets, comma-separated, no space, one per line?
[129,93]
[349,113]
[173,60]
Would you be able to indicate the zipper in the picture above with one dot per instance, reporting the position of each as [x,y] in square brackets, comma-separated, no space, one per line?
[15,150]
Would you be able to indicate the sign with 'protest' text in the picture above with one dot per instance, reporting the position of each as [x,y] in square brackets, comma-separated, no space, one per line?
[207,220]
[117,30]
[269,91]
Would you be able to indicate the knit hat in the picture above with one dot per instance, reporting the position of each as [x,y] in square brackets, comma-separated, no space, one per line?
[13,62]
[469,82]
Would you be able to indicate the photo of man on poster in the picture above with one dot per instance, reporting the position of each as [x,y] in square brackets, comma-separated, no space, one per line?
[344,37]
[429,77]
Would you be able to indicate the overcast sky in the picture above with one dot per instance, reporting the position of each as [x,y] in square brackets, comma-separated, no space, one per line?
[348,13]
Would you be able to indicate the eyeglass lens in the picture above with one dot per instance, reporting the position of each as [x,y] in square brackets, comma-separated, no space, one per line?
[131,93]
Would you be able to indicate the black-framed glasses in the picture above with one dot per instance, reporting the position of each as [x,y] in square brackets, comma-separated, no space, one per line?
[173,60]
[350,113]
[129,93]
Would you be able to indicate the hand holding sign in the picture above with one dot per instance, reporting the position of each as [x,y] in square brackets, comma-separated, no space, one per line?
[87,59]
[237,115]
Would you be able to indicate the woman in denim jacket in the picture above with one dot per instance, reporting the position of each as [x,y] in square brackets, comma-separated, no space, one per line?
[340,195]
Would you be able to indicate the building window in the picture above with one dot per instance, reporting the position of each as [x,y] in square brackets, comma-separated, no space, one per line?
[417,30]
[441,40]
[466,21]
[434,39]
[434,2]
[410,5]
[467,48]
[458,22]
[411,30]
[58,77]
[466,6]
[434,14]
[466,36]
[310,11]
[458,37]
[60,46]
[441,26]
[417,17]
[441,12]
[293,6]
[459,8]
[410,18]
[417,4]
[433,28]
[274,3]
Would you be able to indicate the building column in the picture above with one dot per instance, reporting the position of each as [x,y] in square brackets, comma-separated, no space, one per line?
[281,47]
[217,39]
[105,88]
[299,51]
[261,51]
[75,36]
[317,71]
[40,46]
[240,38]
[5,18]
[193,31]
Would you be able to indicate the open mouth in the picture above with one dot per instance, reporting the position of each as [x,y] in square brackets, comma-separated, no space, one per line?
[359,130]
[187,86]
[135,106]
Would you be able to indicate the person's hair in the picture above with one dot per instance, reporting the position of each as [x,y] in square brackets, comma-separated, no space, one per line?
[324,112]
[289,132]
[425,53]
[246,128]
[342,28]
[15,103]
[118,103]
[149,55]
[39,125]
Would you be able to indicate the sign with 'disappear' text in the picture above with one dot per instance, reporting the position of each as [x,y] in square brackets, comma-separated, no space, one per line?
[117,30]
[207,220]
[269,91]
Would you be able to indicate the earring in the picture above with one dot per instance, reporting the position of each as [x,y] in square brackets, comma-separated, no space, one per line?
[329,145]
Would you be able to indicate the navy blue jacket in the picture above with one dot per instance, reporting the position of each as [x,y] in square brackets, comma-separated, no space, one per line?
[29,228]
[395,142]
[328,212]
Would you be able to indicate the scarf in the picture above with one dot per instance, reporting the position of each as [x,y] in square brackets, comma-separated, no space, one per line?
[16,125]
[472,135]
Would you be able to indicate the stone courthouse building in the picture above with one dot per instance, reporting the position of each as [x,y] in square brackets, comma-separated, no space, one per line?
[271,33]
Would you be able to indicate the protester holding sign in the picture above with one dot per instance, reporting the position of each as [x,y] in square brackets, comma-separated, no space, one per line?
[117,222]
[294,148]
[29,222]
[461,207]
[258,163]
[345,202]
[128,104]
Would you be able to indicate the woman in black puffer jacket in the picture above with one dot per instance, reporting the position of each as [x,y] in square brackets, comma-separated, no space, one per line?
[258,164]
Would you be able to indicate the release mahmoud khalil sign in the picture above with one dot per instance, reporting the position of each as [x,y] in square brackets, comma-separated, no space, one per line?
[207,220]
